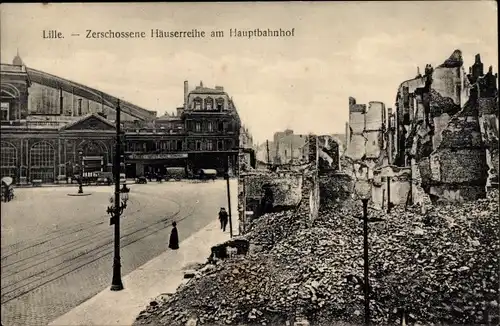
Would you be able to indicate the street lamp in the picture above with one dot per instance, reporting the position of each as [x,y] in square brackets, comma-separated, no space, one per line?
[80,179]
[120,203]
[363,190]
[226,176]
[121,207]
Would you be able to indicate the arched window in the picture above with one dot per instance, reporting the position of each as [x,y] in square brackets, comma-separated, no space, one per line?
[220,104]
[197,103]
[8,160]
[42,162]
[209,104]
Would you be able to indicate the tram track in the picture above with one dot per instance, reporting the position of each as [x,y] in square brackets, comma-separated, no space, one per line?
[59,234]
[66,246]
[102,251]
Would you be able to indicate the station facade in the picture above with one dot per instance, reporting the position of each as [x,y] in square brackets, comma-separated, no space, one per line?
[53,128]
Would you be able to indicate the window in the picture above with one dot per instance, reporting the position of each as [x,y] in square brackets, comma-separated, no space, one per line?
[210,145]
[220,126]
[220,104]
[210,126]
[8,160]
[5,111]
[198,145]
[42,162]
[209,104]
[197,103]
[197,127]
[79,106]
[220,145]
[179,145]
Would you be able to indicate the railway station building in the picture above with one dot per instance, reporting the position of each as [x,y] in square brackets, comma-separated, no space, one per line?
[53,128]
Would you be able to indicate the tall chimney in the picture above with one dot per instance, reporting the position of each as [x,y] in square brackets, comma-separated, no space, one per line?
[186,91]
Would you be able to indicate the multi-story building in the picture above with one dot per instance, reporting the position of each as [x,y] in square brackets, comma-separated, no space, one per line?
[212,128]
[53,128]
[447,129]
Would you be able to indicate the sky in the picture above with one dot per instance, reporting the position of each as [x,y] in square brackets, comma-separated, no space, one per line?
[339,49]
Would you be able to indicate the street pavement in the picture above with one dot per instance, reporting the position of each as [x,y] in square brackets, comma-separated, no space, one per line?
[57,249]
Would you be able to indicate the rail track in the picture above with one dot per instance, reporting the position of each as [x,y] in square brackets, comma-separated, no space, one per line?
[27,274]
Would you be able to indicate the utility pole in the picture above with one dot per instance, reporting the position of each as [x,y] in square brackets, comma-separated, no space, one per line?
[226,176]
[268,156]
[291,149]
[116,284]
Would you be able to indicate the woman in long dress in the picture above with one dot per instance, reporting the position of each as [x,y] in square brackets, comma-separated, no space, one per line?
[174,238]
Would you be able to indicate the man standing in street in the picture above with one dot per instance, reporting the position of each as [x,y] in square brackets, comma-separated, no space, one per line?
[223,218]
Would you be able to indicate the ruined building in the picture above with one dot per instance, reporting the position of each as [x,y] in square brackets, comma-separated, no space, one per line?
[440,141]
[447,130]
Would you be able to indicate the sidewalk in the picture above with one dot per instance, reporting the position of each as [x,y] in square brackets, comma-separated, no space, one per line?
[162,274]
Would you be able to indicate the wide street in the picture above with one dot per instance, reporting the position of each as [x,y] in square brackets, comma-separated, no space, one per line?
[57,249]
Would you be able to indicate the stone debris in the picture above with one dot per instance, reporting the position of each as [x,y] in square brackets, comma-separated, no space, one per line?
[440,267]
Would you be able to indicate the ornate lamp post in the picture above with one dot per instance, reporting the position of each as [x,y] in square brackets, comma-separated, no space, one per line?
[120,203]
[80,179]
[226,176]
[363,191]
[121,207]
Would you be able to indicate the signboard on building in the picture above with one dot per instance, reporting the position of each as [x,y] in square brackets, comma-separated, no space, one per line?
[156,156]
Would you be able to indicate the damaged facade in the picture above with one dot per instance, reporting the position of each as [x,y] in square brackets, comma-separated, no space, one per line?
[447,130]
[296,188]
[440,143]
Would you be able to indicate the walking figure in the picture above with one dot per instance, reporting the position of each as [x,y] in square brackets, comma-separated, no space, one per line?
[223,218]
[174,238]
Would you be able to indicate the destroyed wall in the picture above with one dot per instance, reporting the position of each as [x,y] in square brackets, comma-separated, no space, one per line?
[487,102]
[356,144]
[374,130]
[366,147]
[334,188]
[310,197]
[441,133]
[399,186]
[367,132]
[328,153]
[286,188]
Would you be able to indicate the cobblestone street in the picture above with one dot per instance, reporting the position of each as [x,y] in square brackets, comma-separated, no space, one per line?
[57,249]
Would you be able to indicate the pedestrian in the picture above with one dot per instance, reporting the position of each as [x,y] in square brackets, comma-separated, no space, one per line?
[223,218]
[174,237]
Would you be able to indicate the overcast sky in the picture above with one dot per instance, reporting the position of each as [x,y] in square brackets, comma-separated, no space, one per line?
[359,49]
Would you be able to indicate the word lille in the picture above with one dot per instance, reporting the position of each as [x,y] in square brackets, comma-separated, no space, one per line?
[52,34]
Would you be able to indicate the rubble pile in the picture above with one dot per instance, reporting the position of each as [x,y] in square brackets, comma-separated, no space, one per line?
[269,229]
[440,267]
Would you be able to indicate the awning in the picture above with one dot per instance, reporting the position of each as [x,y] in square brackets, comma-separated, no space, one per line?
[208,171]
[7,181]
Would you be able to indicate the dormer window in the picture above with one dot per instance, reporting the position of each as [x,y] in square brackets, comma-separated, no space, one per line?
[220,104]
[197,103]
[209,104]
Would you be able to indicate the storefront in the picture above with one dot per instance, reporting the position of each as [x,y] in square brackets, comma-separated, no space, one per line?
[213,160]
[140,164]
